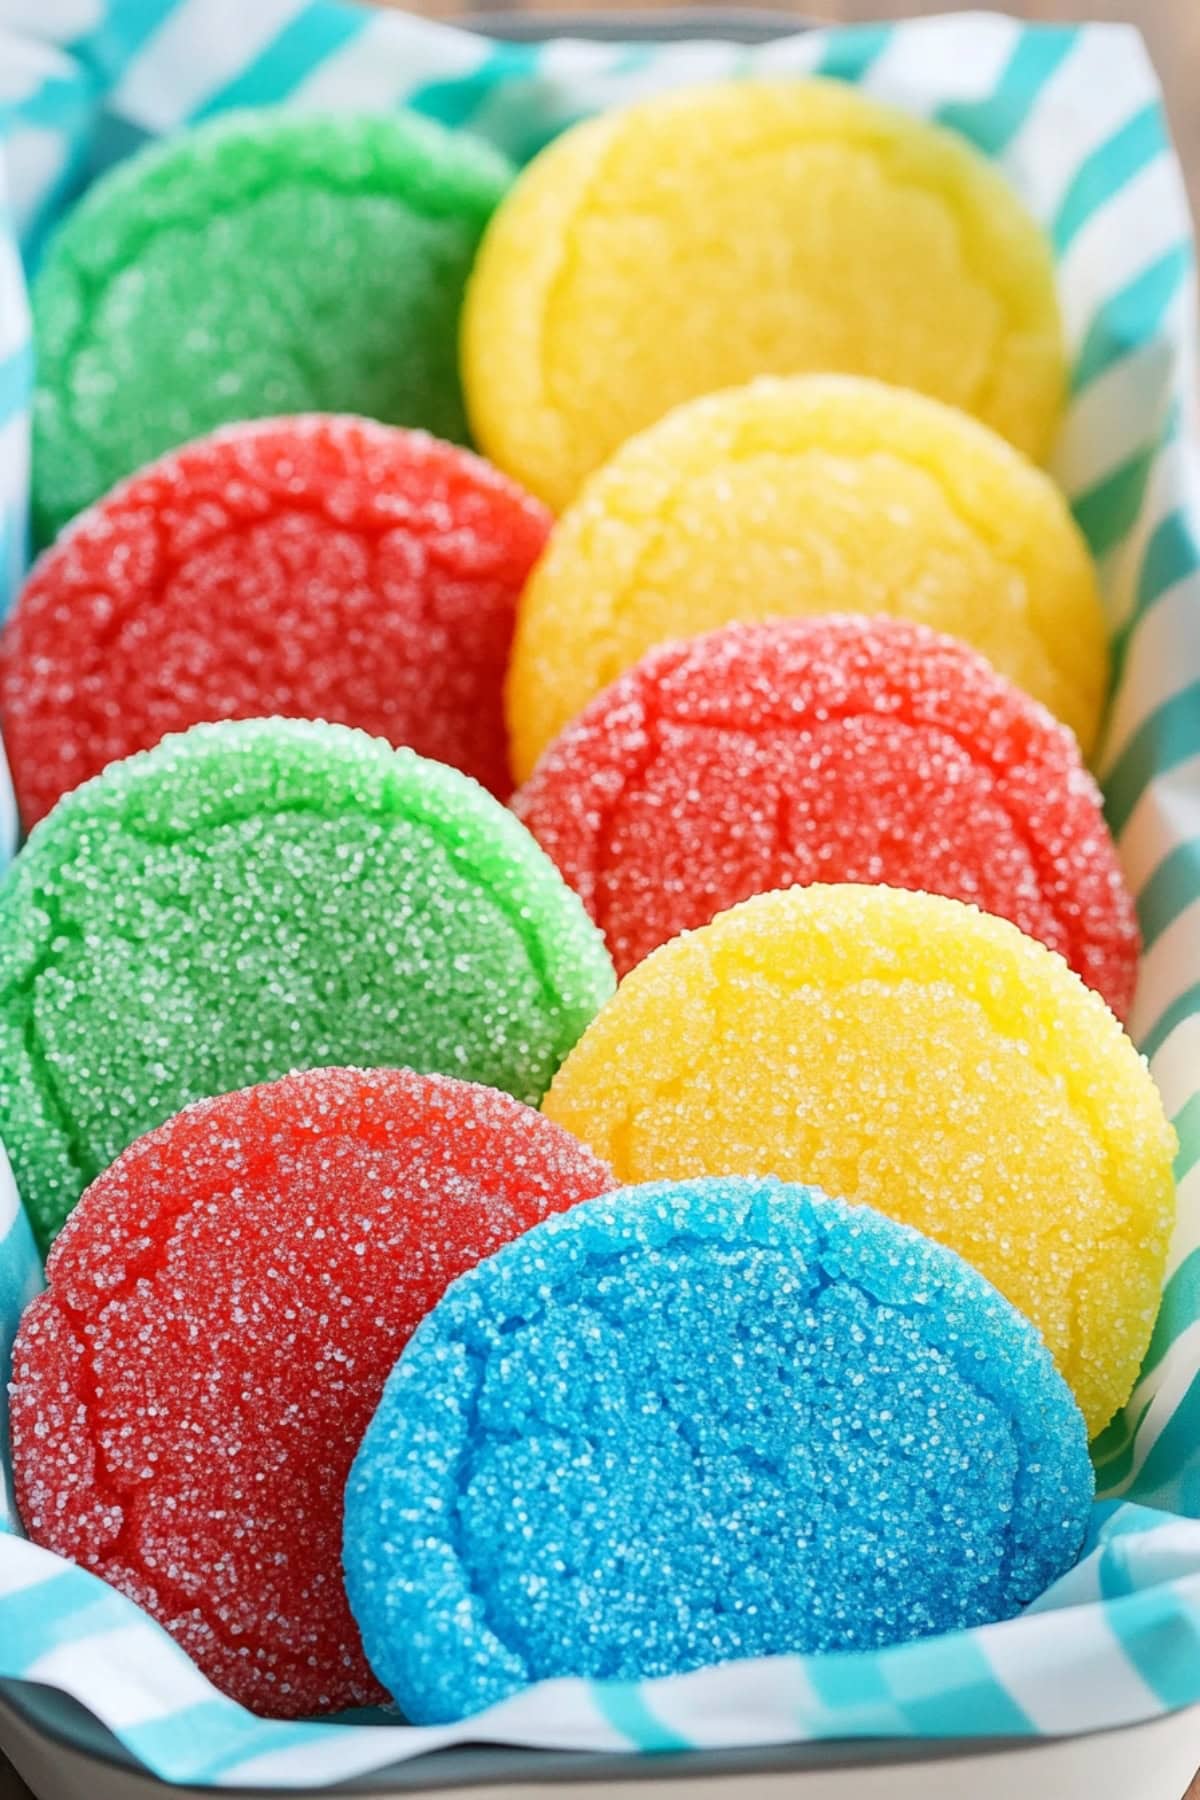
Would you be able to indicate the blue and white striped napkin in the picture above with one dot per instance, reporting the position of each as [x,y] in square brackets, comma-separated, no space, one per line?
[1074,118]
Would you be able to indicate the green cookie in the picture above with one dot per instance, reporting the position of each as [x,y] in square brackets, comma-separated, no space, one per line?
[254,897]
[268,262]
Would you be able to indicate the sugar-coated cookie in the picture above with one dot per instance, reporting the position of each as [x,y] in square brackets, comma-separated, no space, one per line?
[914,1053]
[817,494]
[701,237]
[317,567]
[839,748]
[686,1424]
[222,1312]
[259,896]
[261,263]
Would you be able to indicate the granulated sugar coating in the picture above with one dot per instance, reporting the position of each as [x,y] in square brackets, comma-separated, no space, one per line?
[256,897]
[317,567]
[694,1423]
[267,262]
[831,749]
[699,238]
[914,1053]
[223,1310]
[818,494]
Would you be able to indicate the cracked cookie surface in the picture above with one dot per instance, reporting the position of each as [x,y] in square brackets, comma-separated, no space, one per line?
[830,749]
[911,1052]
[686,1424]
[816,494]
[262,263]
[699,238]
[317,567]
[260,896]
[222,1312]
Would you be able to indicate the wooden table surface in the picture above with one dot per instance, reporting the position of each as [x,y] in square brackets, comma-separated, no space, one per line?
[1172,31]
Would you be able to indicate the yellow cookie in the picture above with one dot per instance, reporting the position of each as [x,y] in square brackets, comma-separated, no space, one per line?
[913,1053]
[703,237]
[813,494]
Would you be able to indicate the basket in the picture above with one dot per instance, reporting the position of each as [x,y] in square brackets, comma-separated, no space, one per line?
[1096,1689]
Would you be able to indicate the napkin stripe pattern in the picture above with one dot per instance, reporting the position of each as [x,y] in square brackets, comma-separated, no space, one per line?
[1074,118]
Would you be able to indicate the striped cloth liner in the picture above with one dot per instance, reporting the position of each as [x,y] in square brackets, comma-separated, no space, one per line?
[1074,118]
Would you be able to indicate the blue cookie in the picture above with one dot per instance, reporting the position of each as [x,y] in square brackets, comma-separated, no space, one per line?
[698,1421]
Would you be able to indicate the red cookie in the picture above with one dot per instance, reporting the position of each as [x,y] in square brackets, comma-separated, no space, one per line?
[224,1307]
[830,749]
[318,567]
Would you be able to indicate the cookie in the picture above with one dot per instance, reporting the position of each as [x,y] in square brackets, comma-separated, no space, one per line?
[263,263]
[255,897]
[812,495]
[829,749]
[910,1052]
[701,237]
[701,1422]
[316,567]
[221,1315]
